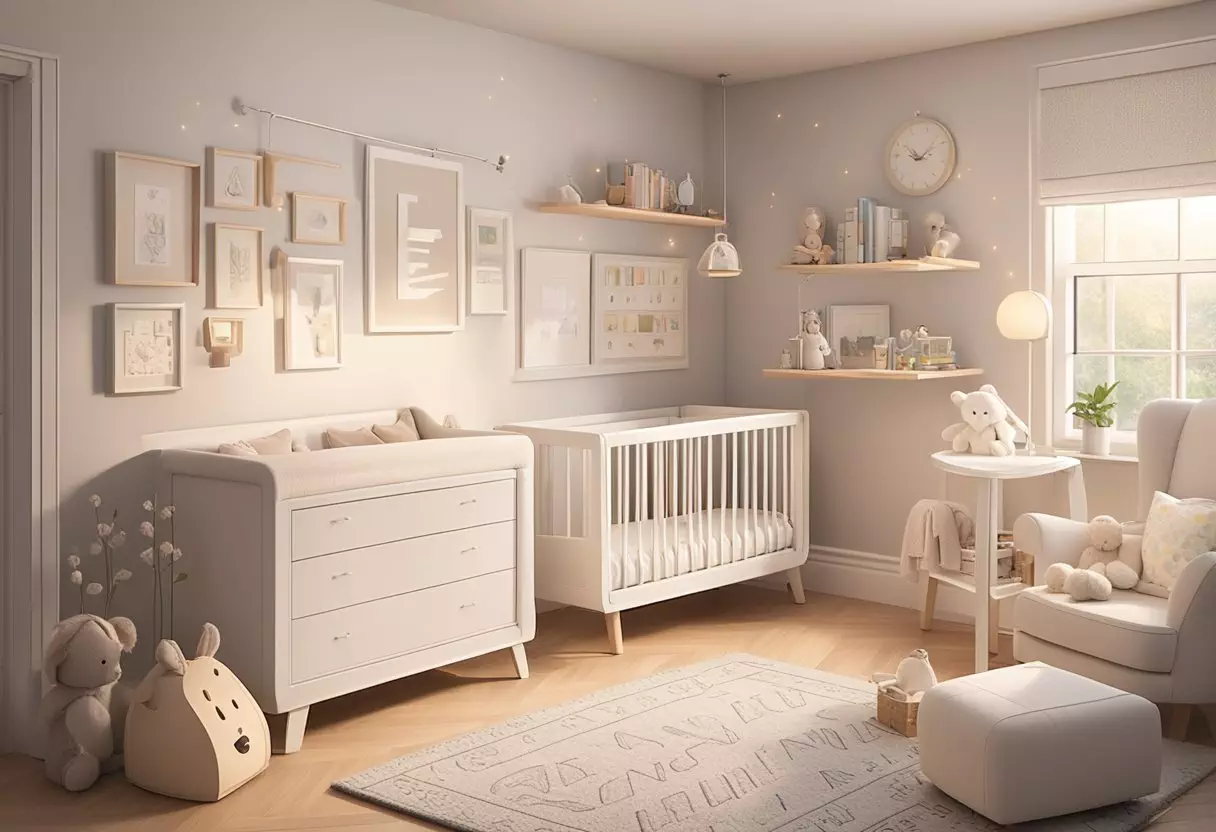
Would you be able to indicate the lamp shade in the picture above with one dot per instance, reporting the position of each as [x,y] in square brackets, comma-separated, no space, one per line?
[1024,316]
[720,259]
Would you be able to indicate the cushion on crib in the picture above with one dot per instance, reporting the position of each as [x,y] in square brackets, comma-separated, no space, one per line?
[691,542]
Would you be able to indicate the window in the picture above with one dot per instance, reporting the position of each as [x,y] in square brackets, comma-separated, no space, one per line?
[1134,289]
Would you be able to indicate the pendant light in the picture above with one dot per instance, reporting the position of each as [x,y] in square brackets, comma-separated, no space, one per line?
[721,259]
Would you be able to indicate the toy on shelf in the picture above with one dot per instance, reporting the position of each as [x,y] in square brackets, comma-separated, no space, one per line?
[815,347]
[812,250]
[942,241]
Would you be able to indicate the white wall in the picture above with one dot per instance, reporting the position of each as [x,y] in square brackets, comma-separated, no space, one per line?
[136,72]
[870,440]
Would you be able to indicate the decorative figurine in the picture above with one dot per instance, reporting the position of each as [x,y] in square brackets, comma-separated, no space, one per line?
[941,240]
[686,194]
[812,250]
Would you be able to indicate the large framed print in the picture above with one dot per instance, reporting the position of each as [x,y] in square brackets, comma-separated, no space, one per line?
[641,313]
[312,314]
[153,209]
[145,347]
[415,243]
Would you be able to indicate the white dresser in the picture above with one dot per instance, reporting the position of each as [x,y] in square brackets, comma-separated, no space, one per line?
[332,571]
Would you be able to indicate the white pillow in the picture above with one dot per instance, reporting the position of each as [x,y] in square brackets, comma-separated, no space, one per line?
[276,443]
[1177,532]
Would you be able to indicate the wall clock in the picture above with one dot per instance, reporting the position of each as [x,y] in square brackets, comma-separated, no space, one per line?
[920,157]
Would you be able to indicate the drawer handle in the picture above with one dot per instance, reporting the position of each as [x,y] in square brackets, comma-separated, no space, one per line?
[468,502]
[340,575]
[468,550]
[339,520]
[341,636]
[470,604]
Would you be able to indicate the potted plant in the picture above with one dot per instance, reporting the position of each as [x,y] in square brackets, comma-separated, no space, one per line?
[1096,412]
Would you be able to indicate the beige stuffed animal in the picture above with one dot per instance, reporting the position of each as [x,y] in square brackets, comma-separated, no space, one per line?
[194,731]
[985,428]
[1105,565]
[85,708]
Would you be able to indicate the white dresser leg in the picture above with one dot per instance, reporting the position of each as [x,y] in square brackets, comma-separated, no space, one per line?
[795,578]
[521,660]
[293,732]
[616,642]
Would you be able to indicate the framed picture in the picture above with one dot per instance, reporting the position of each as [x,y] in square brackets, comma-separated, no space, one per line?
[554,314]
[224,339]
[152,220]
[641,313]
[854,331]
[319,220]
[312,314]
[491,256]
[415,243]
[145,347]
[234,179]
[236,266]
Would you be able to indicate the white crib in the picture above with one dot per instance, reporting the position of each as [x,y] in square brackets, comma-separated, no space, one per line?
[644,506]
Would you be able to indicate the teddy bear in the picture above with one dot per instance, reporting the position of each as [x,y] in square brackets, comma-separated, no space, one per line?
[85,709]
[815,347]
[1105,565]
[812,250]
[985,428]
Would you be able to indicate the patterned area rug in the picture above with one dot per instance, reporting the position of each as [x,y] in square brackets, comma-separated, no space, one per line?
[737,744]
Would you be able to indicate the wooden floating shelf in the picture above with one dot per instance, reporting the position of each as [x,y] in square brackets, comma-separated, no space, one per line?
[617,212]
[925,264]
[875,375]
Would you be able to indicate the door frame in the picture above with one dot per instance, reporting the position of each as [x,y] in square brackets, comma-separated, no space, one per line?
[29,422]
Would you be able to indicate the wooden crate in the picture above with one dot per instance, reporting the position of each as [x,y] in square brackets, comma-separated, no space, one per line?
[897,714]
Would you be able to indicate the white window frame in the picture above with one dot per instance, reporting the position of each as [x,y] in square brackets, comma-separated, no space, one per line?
[1062,282]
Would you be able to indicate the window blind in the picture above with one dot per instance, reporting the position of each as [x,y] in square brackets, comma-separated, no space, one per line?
[1127,126]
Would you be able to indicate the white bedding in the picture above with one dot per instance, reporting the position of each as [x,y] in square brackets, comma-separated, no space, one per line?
[691,542]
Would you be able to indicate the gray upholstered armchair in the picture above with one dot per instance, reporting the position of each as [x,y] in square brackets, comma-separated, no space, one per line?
[1159,648]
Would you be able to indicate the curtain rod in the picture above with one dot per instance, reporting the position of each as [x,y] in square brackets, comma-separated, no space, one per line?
[244,109]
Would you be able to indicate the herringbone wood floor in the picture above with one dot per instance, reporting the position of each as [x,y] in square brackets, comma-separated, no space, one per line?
[568,660]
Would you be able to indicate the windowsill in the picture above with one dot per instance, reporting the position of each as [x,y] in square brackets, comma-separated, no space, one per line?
[1116,458]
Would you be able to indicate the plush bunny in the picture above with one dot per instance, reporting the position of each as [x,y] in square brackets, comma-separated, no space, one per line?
[815,348]
[84,709]
[194,730]
[985,428]
[1105,565]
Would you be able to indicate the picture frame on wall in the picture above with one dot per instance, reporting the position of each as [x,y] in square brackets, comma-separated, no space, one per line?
[855,330]
[234,179]
[489,262]
[554,329]
[236,266]
[641,313]
[312,313]
[144,353]
[415,233]
[318,220]
[153,211]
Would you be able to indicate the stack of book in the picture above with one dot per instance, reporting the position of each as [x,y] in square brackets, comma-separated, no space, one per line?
[645,188]
[872,233]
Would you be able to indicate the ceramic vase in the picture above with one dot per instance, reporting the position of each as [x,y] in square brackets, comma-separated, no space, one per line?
[1095,440]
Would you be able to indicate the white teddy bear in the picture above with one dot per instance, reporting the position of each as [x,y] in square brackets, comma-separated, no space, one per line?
[1105,565]
[985,428]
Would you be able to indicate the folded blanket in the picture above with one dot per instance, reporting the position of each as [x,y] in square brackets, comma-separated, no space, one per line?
[934,536]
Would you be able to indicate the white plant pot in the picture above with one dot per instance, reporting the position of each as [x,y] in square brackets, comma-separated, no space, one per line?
[1095,440]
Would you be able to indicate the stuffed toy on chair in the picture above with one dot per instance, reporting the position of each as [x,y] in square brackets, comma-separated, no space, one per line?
[194,731]
[1105,565]
[985,428]
[84,708]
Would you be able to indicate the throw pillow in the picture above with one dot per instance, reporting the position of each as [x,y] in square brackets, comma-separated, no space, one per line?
[276,443]
[1177,531]
[404,431]
[335,438]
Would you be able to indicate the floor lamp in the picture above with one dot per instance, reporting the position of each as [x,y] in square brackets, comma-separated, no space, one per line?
[1026,316]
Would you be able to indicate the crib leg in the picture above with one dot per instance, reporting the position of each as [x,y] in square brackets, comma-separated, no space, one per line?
[795,579]
[616,642]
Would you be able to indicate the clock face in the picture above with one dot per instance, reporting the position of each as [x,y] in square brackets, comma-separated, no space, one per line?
[920,157]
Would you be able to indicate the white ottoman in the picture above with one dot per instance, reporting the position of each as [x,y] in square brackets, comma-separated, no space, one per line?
[1032,741]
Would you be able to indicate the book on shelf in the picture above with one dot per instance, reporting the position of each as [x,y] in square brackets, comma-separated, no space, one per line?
[839,242]
[882,233]
[645,187]
[850,236]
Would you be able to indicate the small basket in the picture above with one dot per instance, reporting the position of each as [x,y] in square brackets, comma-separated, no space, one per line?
[897,714]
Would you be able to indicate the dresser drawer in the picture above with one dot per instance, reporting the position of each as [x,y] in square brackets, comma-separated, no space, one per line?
[378,630]
[354,525]
[341,580]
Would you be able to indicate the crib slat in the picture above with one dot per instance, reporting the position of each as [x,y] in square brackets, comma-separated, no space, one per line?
[788,461]
[569,507]
[764,506]
[738,471]
[665,491]
[700,499]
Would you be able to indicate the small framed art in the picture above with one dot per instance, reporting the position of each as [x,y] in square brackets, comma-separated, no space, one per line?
[489,261]
[152,220]
[234,179]
[223,339]
[145,347]
[312,314]
[554,314]
[319,220]
[236,266]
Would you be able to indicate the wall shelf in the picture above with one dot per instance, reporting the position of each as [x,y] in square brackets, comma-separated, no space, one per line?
[616,212]
[874,375]
[925,264]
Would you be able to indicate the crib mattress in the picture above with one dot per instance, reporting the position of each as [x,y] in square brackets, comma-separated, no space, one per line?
[692,542]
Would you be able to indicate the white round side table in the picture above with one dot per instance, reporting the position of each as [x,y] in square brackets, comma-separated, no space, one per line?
[993,470]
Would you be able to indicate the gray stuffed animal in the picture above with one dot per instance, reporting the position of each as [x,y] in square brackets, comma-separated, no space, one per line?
[84,710]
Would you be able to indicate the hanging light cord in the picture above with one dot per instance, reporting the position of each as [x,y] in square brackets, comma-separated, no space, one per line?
[722,76]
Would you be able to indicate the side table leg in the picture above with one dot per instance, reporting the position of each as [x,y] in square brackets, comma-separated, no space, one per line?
[1077,507]
[986,526]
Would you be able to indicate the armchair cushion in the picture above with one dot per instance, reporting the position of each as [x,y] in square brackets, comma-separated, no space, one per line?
[1131,629]
[1176,533]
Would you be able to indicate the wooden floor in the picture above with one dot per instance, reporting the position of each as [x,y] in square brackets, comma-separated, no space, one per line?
[354,732]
